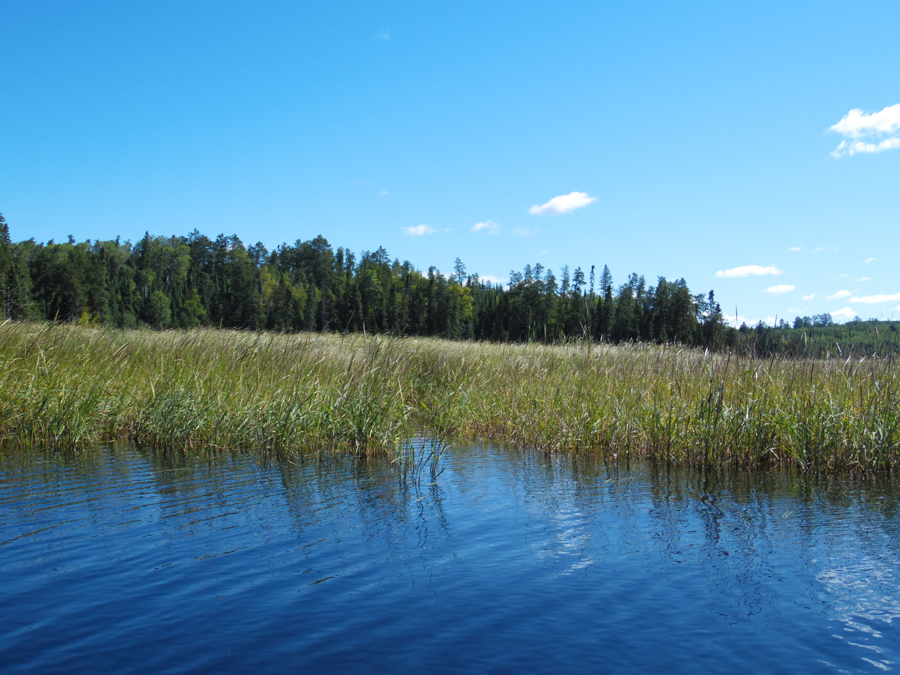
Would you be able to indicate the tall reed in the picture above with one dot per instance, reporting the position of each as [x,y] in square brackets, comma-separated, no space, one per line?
[71,386]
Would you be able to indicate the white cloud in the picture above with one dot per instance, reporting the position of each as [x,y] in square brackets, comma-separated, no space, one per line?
[845,314]
[383,193]
[563,204]
[856,123]
[738,320]
[868,133]
[382,35]
[794,249]
[488,226]
[779,289]
[840,294]
[857,147]
[863,279]
[809,297]
[525,232]
[492,279]
[543,253]
[873,299]
[823,248]
[419,230]
[868,260]
[747,271]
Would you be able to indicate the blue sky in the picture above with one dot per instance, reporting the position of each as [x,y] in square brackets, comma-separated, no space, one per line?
[711,141]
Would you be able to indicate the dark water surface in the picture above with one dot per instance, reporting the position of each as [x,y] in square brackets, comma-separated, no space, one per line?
[121,560]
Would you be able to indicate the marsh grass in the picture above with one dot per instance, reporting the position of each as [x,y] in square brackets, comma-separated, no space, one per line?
[69,387]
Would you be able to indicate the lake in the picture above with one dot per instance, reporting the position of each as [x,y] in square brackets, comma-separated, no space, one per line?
[123,559]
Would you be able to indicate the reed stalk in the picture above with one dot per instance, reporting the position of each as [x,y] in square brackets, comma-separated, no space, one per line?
[73,386]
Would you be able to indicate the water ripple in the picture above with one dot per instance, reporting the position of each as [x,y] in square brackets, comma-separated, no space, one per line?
[509,561]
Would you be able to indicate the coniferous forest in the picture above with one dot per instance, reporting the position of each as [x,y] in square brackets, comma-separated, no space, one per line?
[193,280]
[190,281]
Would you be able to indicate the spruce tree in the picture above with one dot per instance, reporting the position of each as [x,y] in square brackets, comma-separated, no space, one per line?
[6,270]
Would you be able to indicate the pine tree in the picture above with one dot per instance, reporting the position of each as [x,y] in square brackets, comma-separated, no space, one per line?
[577,281]
[6,270]
[459,271]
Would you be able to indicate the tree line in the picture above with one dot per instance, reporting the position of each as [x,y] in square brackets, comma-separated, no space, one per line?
[193,280]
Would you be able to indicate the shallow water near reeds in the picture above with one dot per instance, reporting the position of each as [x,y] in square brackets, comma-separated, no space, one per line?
[125,560]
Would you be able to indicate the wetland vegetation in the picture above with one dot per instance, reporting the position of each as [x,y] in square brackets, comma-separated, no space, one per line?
[307,348]
[71,386]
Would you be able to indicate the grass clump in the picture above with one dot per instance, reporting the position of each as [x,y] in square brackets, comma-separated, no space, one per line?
[71,386]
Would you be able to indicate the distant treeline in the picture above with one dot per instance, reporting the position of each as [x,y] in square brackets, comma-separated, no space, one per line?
[820,336]
[189,281]
[197,281]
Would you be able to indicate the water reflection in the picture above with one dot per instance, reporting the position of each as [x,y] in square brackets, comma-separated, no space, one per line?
[532,562]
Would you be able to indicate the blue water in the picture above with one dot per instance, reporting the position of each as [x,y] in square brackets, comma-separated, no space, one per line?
[127,561]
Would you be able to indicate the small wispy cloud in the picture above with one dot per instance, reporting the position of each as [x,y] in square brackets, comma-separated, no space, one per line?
[824,248]
[794,249]
[868,260]
[563,204]
[487,226]
[419,230]
[868,133]
[747,271]
[809,297]
[383,193]
[845,314]
[862,279]
[525,232]
[779,289]
[875,299]
[839,295]
[382,35]
[854,147]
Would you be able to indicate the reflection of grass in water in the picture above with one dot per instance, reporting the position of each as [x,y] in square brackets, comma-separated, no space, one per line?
[70,386]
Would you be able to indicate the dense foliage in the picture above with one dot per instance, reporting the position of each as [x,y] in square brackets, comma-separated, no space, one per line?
[193,281]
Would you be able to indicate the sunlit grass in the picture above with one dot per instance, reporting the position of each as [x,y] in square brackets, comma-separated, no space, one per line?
[70,387]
